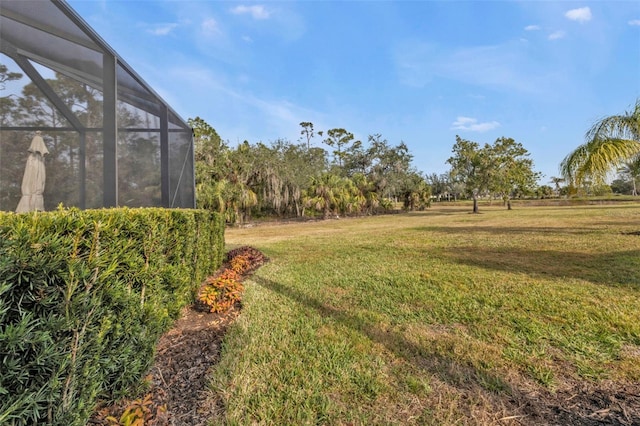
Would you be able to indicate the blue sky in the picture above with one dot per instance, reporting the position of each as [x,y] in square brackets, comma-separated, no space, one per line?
[421,72]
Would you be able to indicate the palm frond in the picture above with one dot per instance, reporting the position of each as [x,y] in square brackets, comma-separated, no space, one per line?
[596,158]
[610,142]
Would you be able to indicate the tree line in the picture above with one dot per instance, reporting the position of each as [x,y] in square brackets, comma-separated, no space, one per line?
[287,179]
[352,177]
[347,176]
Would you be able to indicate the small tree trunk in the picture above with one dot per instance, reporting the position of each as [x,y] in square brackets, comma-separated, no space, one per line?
[475,204]
[509,204]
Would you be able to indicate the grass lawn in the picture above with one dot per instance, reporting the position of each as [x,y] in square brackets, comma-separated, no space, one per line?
[529,316]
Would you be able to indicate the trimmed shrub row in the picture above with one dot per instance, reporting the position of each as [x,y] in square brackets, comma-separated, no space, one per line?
[84,298]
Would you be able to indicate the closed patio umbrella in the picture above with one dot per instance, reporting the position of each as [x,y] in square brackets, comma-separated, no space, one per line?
[34,177]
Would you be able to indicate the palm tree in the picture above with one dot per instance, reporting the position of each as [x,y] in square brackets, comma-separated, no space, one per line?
[322,194]
[609,143]
[557,181]
[365,197]
[631,170]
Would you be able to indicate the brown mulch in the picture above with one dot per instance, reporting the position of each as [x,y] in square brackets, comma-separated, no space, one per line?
[179,377]
[181,370]
[178,392]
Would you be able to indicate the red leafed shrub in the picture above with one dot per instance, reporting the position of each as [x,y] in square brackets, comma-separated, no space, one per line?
[254,257]
[223,290]
[226,274]
[240,263]
[220,294]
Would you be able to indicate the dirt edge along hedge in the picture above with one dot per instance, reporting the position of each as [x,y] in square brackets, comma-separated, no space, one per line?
[84,298]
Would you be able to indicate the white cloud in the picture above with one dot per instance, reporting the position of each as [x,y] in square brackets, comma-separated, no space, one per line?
[582,14]
[472,125]
[531,28]
[635,22]
[210,26]
[162,29]
[556,35]
[256,11]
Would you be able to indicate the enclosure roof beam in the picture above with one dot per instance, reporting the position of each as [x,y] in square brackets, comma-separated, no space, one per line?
[77,20]
[24,20]
[46,89]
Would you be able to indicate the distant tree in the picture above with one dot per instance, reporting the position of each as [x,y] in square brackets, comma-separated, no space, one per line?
[212,166]
[209,145]
[323,194]
[471,166]
[282,178]
[609,142]
[457,190]
[600,189]
[378,162]
[503,168]
[296,164]
[366,198]
[622,186]
[13,149]
[6,75]
[416,193]
[8,103]
[512,170]
[391,167]
[239,199]
[544,191]
[631,170]
[339,139]
[556,181]
[440,185]
[308,133]
[357,159]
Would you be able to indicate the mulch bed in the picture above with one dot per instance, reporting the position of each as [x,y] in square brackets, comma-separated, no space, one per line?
[178,393]
[178,379]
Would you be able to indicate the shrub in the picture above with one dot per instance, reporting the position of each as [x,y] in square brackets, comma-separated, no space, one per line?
[222,292]
[219,293]
[84,297]
[138,413]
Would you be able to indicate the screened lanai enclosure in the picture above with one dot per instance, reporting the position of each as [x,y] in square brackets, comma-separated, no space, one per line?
[109,139]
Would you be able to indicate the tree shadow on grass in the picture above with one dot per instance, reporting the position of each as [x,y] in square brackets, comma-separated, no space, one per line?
[530,407]
[507,230]
[620,268]
[466,378]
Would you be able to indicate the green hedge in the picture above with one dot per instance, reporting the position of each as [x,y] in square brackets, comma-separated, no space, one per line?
[84,298]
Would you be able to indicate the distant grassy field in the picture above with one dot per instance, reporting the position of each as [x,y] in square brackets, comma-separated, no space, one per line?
[439,317]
